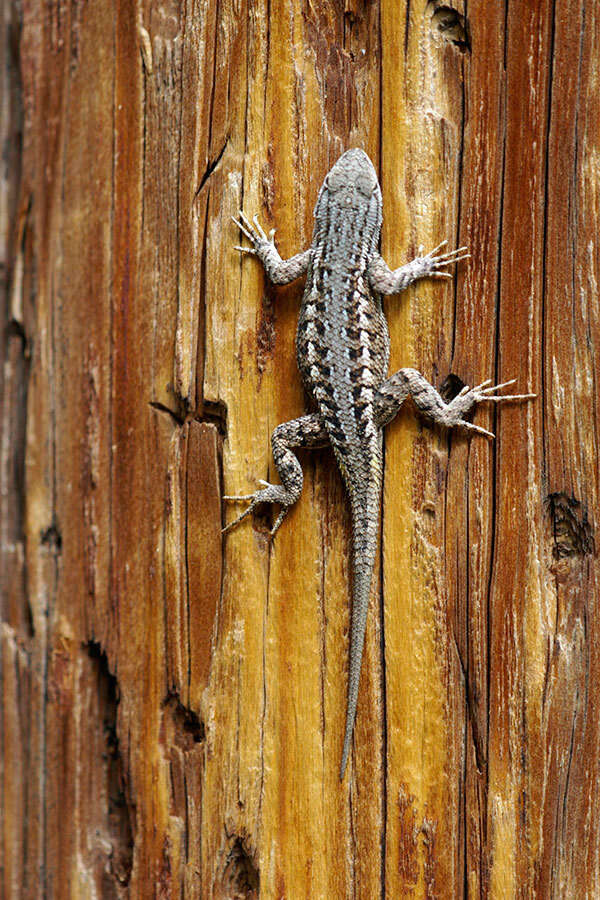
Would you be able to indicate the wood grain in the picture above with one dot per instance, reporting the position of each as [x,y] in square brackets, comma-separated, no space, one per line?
[172,701]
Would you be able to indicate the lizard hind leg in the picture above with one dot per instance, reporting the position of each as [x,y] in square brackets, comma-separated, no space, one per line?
[409,382]
[307,431]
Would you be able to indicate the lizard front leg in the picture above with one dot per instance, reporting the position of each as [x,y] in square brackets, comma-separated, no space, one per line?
[384,280]
[280,271]
[409,382]
[307,431]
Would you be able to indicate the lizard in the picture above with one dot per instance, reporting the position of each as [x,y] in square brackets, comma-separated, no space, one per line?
[342,348]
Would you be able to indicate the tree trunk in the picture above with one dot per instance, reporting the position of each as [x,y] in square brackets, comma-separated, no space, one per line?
[173,701]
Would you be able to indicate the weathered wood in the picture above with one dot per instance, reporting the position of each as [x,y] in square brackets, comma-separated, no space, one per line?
[172,703]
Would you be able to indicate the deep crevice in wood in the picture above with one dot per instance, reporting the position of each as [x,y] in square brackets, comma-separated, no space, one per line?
[121,818]
[214,412]
[163,408]
[211,167]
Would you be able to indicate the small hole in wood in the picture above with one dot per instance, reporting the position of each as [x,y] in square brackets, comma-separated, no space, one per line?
[451,26]
[186,728]
[52,538]
[450,387]
[214,412]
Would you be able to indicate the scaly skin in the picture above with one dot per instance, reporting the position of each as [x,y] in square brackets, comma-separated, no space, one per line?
[343,346]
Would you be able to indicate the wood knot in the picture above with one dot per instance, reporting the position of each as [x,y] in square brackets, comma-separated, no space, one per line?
[240,875]
[572,532]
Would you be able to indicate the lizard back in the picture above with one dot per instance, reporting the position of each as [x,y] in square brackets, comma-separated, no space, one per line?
[342,339]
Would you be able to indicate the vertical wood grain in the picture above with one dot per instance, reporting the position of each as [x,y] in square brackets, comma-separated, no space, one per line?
[173,701]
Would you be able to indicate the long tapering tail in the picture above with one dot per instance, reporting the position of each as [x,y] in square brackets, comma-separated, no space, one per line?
[365,525]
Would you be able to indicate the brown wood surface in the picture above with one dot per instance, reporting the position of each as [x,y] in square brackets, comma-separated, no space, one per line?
[172,703]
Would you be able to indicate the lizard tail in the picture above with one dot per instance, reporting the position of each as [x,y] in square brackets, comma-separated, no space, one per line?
[365,537]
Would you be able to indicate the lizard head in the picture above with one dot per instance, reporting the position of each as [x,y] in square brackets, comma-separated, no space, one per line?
[353,171]
[352,188]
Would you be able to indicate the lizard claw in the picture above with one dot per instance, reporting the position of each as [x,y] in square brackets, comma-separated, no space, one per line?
[477,428]
[239,518]
[259,229]
[271,493]
[244,225]
[253,231]
[283,513]
[483,392]
[467,397]
[434,263]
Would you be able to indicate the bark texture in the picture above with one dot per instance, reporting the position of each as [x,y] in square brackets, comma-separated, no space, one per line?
[172,704]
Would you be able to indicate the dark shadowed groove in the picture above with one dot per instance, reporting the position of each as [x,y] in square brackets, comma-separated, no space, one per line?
[201,332]
[470,717]
[213,85]
[543,276]
[267,57]
[14,385]
[186,560]
[120,813]
[111,325]
[323,615]
[162,407]
[506,3]
[406,28]
[384,707]
[353,836]
[493,449]
[576,154]
[211,167]
[461,155]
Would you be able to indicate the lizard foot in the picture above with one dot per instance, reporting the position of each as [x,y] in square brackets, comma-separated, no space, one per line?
[466,399]
[254,232]
[271,493]
[432,265]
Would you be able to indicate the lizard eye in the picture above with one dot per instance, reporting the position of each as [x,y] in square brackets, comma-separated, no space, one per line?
[335,181]
[366,183]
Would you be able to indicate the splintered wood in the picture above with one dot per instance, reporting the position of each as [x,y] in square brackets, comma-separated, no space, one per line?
[172,703]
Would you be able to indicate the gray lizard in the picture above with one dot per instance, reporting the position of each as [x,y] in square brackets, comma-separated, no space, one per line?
[342,346]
